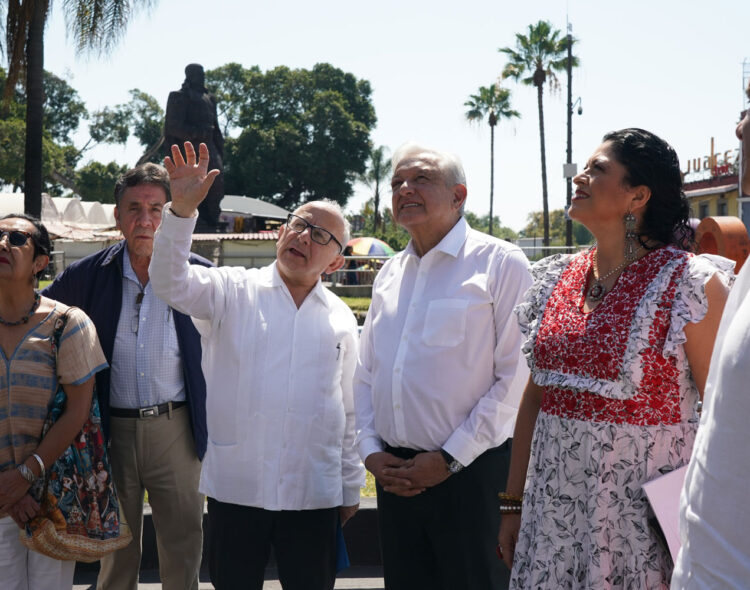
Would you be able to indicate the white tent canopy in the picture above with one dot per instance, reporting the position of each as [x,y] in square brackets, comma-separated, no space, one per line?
[68,211]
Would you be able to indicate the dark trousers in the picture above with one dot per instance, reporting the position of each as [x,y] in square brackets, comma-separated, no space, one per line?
[240,539]
[445,537]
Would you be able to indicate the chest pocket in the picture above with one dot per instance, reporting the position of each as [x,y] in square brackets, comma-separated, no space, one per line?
[445,322]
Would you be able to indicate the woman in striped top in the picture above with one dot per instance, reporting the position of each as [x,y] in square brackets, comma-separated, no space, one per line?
[29,375]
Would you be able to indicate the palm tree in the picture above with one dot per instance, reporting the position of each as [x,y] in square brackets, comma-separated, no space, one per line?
[535,59]
[494,102]
[378,170]
[96,26]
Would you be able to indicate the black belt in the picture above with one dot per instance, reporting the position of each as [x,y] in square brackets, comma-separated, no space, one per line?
[406,453]
[150,412]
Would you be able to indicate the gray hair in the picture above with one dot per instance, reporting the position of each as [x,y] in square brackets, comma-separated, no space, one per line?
[336,208]
[148,173]
[449,164]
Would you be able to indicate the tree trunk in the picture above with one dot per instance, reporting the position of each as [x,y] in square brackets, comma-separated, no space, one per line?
[34,110]
[376,215]
[492,171]
[545,204]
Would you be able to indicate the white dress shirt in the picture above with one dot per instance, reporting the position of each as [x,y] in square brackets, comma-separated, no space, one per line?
[146,361]
[440,362]
[714,515]
[279,406]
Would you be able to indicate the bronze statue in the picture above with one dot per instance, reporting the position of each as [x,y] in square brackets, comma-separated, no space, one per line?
[191,116]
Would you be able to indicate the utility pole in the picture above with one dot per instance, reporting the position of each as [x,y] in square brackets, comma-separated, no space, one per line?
[568,179]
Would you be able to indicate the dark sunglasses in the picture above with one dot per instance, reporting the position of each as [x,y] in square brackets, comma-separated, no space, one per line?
[16,237]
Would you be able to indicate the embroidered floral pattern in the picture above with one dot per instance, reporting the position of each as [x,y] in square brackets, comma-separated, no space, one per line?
[618,410]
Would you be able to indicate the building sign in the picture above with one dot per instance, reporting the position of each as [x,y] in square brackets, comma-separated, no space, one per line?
[713,165]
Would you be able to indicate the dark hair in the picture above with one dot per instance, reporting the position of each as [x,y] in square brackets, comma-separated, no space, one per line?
[39,236]
[148,173]
[650,161]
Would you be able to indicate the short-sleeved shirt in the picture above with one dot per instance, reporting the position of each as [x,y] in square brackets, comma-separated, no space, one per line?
[29,378]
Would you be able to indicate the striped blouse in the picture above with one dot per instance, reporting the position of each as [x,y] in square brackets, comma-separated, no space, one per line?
[28,380]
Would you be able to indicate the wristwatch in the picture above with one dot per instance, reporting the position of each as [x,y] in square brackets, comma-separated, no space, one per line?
[28,475]
[453,465]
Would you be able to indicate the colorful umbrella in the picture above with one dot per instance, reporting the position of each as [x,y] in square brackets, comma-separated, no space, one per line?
[370,247]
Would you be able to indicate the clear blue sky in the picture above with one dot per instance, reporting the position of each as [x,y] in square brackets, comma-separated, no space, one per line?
[673,67]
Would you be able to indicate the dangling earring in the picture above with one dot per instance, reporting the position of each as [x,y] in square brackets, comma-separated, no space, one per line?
[631,238]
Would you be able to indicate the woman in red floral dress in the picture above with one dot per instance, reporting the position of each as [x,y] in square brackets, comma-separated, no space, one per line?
[618,341]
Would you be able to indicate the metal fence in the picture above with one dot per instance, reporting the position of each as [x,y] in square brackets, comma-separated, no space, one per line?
[360,271]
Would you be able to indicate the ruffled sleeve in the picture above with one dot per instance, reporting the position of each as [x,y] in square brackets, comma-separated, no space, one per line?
[690,304]
[529,312]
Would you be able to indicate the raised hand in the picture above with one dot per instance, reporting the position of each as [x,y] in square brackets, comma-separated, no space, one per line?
[189,181]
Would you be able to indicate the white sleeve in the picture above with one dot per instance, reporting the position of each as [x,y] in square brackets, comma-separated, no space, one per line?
[492,419]
[192,289]
[352,470]
[368,441]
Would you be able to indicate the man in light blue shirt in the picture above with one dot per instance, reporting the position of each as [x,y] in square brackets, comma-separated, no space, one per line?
[153,398]
[146,325]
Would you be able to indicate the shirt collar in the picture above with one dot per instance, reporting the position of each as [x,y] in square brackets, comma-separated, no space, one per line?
[270,277]
[451,243]
[127,268]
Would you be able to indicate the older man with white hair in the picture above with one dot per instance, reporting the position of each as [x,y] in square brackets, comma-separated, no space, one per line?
[438,383]
[279,352]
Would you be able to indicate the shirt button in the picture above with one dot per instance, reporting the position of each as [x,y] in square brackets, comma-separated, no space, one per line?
[141,345]
[397,370]
[141,374]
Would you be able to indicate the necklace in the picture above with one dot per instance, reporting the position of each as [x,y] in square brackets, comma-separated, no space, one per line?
[598,290]
[24,319]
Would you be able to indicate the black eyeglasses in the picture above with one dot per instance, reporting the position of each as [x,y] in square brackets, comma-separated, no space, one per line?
[318,234]
[16,237]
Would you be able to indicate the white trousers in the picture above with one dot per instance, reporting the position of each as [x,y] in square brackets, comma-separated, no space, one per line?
[22,569]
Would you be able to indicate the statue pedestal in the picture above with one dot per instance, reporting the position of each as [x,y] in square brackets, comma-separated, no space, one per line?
[725,236]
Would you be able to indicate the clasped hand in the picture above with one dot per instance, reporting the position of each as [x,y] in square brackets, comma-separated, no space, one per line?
[407,477]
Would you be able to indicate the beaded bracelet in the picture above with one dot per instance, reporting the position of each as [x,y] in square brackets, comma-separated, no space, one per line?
[510,509]
[509,498]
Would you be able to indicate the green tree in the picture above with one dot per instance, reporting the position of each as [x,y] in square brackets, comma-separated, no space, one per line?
[305,134]
[109,125]
[147,120]
[95,181]
[492,102]
[378,171]
[63,108]
[483,224]
[230,84]
[62,112]
[12,156]
[142,117]
[96,26]
[391,232]
[535,59]
[535,227]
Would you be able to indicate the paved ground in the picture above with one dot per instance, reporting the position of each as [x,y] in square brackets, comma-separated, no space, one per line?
[363,578]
